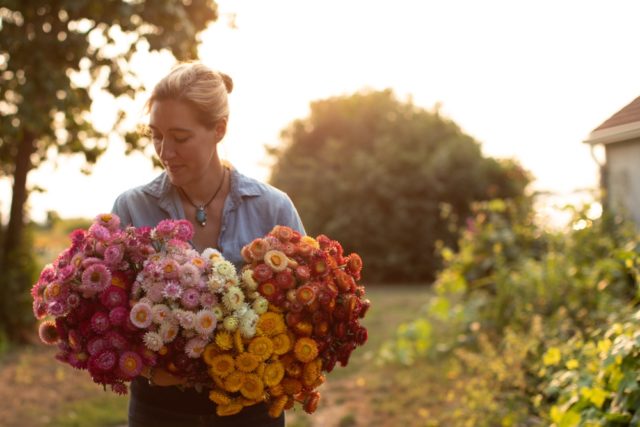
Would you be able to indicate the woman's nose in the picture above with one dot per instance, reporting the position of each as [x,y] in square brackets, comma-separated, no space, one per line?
[165,150]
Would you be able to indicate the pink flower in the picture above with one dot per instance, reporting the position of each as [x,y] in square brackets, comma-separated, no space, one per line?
[116,340]
[195,347]
[78,360]
[110,221]
[113,255]
[78,237]
[206,322]
[189,274]
[99,232]
[104,361]
[113,297]
[165,229]
[172,290]
[73,300]
[141,315]
[156,292]
[262,272]
[208,300]
[56,308]
[100,322]
[190,298]
[39,309]
[96,345]
[118,316]
[168,332]
[67,273]
[170,269]
[130,364]
[96,277]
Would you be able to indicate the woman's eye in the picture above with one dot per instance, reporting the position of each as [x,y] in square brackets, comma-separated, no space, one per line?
[181,139]
[156,138]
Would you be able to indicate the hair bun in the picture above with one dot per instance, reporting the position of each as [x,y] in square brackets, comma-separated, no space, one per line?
[228,82]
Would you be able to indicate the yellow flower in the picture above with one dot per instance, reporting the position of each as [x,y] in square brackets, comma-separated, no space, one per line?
[552,356]
[273,374]
[262,347]
[210,351]
[305,350]
[271,324]
[247,362]
[222,365]
[281,344]
[253,387]
[230,409]
[276,408]
[234,381]
[224,340]
[310,241]
[219,397]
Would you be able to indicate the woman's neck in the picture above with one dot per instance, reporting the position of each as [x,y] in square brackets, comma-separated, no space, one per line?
[202,189]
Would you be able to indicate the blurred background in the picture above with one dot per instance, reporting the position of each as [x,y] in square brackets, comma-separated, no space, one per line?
[442,141]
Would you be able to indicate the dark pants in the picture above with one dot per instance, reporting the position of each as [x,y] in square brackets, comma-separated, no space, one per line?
[144,415]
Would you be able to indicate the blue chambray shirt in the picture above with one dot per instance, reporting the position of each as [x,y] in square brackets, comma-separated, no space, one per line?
[251,210]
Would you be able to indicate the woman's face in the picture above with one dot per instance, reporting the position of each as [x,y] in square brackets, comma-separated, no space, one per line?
[186,148]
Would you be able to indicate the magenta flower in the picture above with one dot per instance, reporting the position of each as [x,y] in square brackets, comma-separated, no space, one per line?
[56,308]
[118,316]
[73,300]
[165,229]
[184,230]
[113,255]
[104,361]
[119,388]
[75,342]
[113,297]
[96,345]
[130,364]
[78,360]
[99,232]
[116,340]
[100,322]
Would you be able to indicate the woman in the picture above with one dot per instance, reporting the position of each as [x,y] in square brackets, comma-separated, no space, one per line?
[188,118]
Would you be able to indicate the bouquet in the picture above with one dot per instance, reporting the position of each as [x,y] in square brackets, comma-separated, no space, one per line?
[85,295]
[310,323]
[180,295]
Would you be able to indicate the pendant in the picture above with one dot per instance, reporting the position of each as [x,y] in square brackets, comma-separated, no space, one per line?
[201,216]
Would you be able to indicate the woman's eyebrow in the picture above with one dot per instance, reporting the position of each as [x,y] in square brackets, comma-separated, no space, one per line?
[174,129]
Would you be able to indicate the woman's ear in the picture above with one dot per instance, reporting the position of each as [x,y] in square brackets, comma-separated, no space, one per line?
[220,129]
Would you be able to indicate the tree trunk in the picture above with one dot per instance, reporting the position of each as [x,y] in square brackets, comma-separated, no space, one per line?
[15,228]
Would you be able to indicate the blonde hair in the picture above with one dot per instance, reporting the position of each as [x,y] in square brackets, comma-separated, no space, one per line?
[200,87]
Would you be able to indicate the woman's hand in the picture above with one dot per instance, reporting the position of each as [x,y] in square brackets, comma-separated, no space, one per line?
[162,377]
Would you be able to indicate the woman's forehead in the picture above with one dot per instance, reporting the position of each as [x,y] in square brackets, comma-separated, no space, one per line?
[172,115]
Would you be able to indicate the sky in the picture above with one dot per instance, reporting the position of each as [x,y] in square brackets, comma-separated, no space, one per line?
[527,79]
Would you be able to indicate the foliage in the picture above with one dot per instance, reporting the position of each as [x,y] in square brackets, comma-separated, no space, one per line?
[52,55]
[388,179]
[522,309]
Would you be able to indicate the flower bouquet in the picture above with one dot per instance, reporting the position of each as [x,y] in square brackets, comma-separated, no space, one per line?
[85,296]
[178,298]
[310,322]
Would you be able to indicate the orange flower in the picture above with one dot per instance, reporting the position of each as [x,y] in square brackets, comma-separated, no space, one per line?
[311,402]
[230,409]
[246,362]
[210,351]
[252,387]
[273,374]
[310,373]
[294,370]
[219,397]
[237,341]
[262,347]
[276,408]
[222,365]
[304,328]
[276,390]
[224,340]
[291,386]
[283,233]
[234,381]
[305,350]
[281,344]
[271,324]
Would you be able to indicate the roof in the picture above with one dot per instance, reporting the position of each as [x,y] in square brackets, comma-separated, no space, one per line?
[622,126]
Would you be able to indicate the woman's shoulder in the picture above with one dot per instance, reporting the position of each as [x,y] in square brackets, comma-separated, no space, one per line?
[251,187]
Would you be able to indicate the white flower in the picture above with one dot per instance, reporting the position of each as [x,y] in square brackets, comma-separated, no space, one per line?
[161,313]
[230,323]
[248,324]
[248,280]
[260,305]
[153,341]
[242,310]
[225,269]
[195,347]
[186,319]
[217,310]
[211,254]
[141,315]
[168,331]
[233,298]
[206,322]
[216,283]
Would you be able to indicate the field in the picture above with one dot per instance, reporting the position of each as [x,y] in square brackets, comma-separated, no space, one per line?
[38,391]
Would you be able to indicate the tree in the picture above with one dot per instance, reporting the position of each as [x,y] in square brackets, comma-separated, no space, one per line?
[51,52]
[387,179]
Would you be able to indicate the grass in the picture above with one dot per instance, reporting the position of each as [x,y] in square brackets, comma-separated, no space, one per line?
[107,411]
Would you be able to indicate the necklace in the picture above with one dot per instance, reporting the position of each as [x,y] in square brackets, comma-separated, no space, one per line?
[201,214]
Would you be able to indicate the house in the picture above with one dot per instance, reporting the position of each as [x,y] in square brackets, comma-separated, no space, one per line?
[620,175]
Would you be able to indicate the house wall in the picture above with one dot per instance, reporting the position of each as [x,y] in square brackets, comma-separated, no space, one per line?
[623,178]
